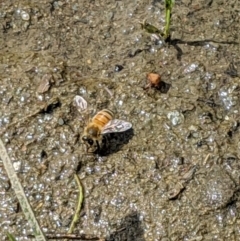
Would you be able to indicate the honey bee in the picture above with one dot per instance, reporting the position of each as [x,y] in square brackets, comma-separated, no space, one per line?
[102,123]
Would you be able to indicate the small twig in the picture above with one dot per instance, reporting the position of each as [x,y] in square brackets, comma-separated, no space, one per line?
[206,159]
[109,91]
[74,236]
[18,189]
[79,204]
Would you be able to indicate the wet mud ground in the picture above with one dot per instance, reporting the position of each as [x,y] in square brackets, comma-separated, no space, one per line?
[175,175]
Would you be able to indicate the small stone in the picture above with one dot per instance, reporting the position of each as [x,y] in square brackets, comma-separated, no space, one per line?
[60,121]
[25,16]
[118,68]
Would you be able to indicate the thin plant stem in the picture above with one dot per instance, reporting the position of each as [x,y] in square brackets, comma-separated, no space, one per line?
[168,12]
[79,204]
[18,189]
[11,237]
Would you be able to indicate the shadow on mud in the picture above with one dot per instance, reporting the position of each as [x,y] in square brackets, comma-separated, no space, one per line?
[129,229]
[113,142]
[175,43]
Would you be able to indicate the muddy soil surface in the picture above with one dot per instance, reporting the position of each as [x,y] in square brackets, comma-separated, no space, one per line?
[175,175]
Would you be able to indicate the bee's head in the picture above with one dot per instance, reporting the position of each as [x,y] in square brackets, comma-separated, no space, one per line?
[93,144]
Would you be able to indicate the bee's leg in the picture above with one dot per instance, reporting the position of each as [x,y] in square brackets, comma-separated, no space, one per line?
[98,146]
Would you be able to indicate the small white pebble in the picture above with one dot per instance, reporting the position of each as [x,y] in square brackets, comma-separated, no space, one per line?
[25,16]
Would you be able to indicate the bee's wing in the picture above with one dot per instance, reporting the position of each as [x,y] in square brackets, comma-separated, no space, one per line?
[116,125]
[80,103]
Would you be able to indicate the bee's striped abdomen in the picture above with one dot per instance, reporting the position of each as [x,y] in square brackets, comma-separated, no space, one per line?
[102,117]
